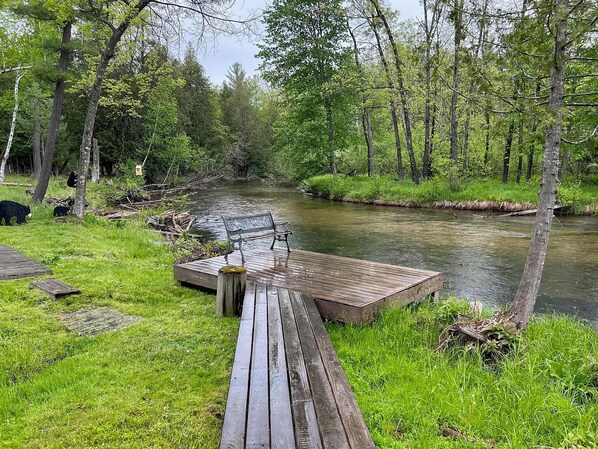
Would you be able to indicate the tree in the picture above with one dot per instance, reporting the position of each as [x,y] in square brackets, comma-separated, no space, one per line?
[50,147]
[401,88]
[523,305]
[304,49]
[13,123]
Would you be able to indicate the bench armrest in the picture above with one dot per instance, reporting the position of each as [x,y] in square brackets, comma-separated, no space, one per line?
[282,226]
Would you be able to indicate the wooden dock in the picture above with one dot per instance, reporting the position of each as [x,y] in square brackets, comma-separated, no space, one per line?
[14,265]
[344,289]
[288,389]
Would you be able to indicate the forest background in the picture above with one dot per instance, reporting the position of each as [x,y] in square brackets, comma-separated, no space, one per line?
[344,87]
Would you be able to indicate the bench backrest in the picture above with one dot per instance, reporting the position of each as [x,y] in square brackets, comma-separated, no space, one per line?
[248,223]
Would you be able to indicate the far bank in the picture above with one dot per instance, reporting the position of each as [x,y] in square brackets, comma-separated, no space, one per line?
[575,196]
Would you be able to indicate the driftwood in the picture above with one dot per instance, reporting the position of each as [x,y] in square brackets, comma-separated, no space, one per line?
[15,184]
[118,214]
[525,212]
[171,223]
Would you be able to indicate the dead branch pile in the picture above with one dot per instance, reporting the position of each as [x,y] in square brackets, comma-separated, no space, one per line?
[493,336]
[130,196]
[117,214]
[172,224]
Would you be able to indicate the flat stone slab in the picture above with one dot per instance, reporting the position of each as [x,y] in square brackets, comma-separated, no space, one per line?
[54,288]
[14,265]
[92,321]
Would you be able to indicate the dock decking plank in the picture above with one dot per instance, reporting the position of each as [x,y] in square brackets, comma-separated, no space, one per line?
[344,289]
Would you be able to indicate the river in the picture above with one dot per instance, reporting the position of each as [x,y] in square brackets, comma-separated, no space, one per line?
[482,258]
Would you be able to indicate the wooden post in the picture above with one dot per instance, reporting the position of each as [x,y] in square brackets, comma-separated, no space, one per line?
[230,290]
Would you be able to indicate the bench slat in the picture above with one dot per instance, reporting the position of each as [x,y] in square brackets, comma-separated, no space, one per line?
[329,420]
[258,414]
[282,435]
[307,435]
[233,429]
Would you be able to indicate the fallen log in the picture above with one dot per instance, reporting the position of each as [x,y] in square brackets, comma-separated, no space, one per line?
[15,184]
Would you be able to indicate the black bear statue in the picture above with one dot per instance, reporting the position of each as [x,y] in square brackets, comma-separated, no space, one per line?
[9,209]
[72,181]
[61,211]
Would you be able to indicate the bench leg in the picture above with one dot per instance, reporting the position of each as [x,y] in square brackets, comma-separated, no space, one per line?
[273,242]
[241,251]
[286,240]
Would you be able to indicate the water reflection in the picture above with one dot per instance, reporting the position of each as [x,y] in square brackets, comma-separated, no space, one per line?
[482,258]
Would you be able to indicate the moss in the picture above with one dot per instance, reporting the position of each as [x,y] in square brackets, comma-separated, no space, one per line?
[232,269]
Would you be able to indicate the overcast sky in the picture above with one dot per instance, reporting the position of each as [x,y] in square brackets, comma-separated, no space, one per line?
[221,54]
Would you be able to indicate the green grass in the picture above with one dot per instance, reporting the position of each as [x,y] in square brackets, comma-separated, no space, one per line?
[536,397]
[160,383]
[582,196]
[163,382]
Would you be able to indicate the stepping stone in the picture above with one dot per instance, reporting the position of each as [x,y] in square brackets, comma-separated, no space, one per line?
[54,288]
[92,321]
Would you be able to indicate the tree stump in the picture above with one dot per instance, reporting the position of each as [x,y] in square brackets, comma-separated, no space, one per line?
[231,290]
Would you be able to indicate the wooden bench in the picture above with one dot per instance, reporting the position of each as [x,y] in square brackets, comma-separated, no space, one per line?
[288,389]
[245,228]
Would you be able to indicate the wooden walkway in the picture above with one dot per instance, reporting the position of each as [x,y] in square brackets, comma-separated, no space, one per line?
[344,289]
[14,265]
[288,389]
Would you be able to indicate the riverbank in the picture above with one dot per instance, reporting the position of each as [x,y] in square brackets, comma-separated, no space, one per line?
[163,381]
[487,195]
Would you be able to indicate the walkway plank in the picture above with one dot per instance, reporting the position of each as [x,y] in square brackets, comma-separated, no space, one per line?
[282,433]
[307,435]
[14,265]
[233,429]
[296,394]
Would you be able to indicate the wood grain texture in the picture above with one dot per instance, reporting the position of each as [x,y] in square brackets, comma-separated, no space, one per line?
[14,265]
[344,289]
[288,388]
[54,288]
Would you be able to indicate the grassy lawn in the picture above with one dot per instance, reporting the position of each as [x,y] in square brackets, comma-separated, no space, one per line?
[163,382]
[582,196]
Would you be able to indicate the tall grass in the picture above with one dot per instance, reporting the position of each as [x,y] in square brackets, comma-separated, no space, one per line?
[410,394]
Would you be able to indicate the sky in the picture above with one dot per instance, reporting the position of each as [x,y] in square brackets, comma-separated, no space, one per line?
[219,55]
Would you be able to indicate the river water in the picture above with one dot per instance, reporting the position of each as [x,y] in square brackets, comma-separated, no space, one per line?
[481,258]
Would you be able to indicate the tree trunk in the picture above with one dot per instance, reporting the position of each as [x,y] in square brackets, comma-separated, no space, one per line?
[49,148]
[330,126]
[525,298]
[507,154]
[92,106]
[487,146]
[457,15]
[395,129]
[429,26]
[36,146]
[393,107]
[13,125]
[520,151]
[95,168]
[366,116]
[402,93]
